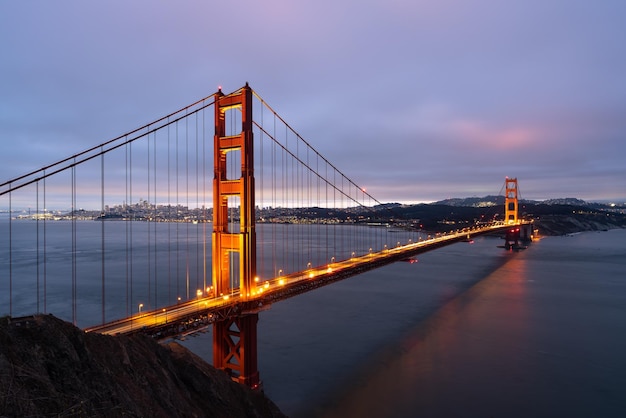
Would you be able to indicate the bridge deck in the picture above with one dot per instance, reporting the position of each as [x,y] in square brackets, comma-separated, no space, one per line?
[190,315]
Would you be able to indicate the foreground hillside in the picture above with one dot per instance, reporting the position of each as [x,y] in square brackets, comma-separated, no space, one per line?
[51,368]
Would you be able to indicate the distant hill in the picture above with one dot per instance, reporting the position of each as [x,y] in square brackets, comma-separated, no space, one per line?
[487,201]
[551,216]
[474,202]
[566,201]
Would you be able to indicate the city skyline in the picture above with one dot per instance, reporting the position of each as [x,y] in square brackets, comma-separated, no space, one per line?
[416,101]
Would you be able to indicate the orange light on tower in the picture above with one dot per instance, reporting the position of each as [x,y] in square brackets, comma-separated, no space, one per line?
[510,202]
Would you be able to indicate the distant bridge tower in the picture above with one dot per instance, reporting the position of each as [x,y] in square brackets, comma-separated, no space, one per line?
[511,204]
[234,252]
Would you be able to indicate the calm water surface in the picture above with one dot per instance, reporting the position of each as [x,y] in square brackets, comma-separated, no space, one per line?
[469,331]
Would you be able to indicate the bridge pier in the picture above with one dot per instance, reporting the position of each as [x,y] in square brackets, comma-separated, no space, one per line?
[235,348]
[512,238]
[526,233]
[517,236]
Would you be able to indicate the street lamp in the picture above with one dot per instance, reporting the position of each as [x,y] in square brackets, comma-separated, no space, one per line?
[140,306]
[165,312]
[199,294]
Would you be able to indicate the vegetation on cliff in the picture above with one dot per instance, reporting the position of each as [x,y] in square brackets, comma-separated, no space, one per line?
[48,367]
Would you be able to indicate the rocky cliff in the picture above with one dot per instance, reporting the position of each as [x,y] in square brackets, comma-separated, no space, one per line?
[51,368]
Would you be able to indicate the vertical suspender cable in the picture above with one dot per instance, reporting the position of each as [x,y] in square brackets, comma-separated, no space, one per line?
[327,207]
[293,230]
[357,221]
[306,195]
[154,220]
[73,193]
[149,240]
[132,219]
[126,228]
[295,259]
[360,231]
[37,227]
[177,219]
[290,203]
[10,252]
[285,194]
[311,205]
[314,218]
[204,213]
[187,201]
[45,259]
[102,222]
[197,227]
[335,225]
[306,191]
[274,163]
[298,192]
[260,194]
[315,196]
[169,221]
[343,248]
[319,205]
[356,228]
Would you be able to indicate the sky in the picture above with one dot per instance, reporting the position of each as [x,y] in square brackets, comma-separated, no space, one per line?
[416,101]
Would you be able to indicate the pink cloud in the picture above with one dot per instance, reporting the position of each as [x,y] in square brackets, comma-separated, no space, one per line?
[476,134]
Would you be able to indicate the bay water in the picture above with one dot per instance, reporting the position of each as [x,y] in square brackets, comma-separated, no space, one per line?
[471,330]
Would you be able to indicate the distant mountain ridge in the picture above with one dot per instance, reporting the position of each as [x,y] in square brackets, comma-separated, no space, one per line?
[552,216]
[486,201]
[566,201]
[474,202]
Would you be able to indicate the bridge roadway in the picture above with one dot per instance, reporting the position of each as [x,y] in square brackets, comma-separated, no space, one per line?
[190,316]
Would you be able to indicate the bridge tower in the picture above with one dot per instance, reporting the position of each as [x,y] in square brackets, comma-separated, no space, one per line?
[511,204]
[234,251]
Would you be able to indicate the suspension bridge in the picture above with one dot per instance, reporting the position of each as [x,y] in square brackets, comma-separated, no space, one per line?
[204,217]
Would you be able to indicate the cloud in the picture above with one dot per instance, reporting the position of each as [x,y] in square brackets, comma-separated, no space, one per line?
[457,95]
[473,134]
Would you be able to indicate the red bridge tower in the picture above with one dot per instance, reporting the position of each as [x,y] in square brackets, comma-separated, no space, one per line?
[510,202]
[234,252]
